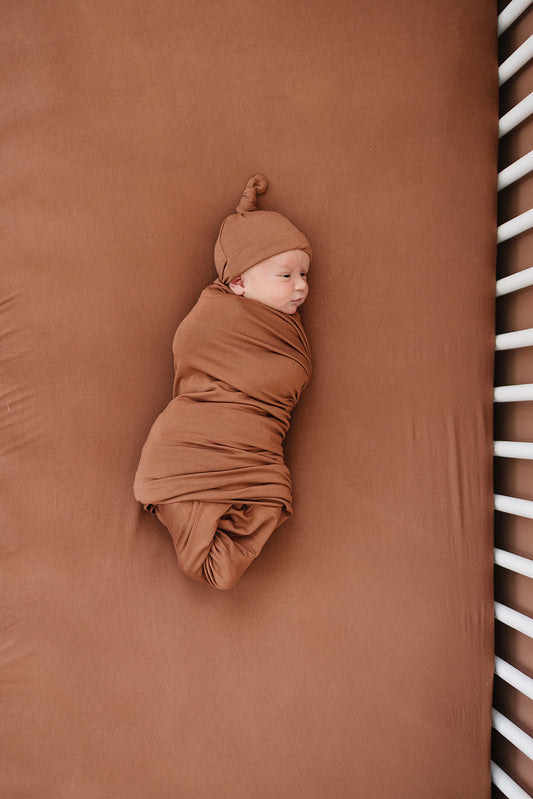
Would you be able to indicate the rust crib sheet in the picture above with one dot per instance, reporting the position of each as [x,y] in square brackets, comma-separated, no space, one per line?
[354,657]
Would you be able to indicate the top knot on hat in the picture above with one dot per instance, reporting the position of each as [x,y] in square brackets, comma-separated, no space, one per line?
[249,236]
[248,202]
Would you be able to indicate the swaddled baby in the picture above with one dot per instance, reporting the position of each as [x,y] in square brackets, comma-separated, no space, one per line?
[212,468]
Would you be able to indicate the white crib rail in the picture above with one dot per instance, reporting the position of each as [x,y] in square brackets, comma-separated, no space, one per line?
[514,563]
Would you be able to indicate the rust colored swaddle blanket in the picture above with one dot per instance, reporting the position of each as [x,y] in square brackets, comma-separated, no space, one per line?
[240,367]
[212,468]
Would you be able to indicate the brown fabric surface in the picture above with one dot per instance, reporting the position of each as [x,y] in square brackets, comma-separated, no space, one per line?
[354,658]
[215,543]
[240,368]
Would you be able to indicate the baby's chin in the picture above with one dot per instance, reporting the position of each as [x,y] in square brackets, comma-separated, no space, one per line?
[288,308]
[294,306]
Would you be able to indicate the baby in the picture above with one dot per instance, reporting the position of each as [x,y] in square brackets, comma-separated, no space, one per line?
[212,468]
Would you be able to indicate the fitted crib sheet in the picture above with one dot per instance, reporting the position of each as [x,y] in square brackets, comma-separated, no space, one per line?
[355,656]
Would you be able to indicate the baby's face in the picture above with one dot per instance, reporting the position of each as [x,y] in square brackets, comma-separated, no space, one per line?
[279,281]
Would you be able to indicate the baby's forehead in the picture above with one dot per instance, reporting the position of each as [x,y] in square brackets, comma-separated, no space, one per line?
[289,258]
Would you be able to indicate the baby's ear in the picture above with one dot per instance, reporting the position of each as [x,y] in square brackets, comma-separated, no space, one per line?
[237,285]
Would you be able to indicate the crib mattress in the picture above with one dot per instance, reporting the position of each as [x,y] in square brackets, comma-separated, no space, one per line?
[355,657]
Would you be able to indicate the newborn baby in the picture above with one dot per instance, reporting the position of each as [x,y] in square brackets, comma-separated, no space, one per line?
[212,468]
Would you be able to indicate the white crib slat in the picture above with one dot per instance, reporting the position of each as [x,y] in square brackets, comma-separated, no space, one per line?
[523,392]
[505,784]
[514,506]
[519,224]
[514,340]
[516,115]
[514,282]
[513,676]
[518,169]
[516,61]
[512,562]
[513,733]
[510,13]
[512,618]
[514,449]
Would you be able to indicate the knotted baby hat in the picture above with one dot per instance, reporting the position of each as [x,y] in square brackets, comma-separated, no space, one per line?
[249,236]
